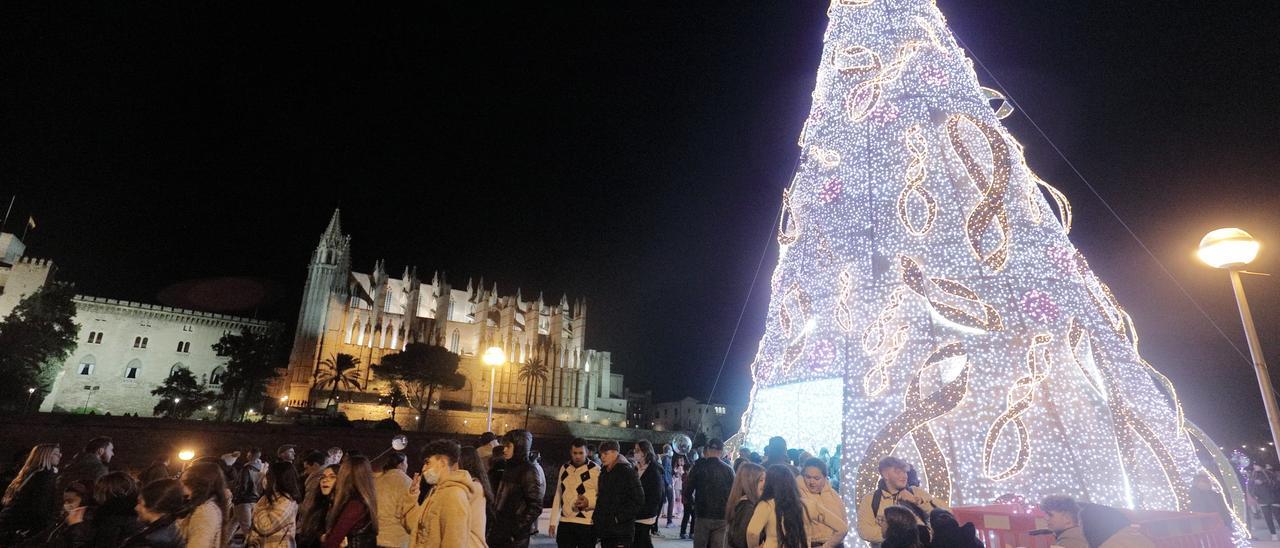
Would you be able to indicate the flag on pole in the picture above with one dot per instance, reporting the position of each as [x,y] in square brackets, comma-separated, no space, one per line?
[31,222]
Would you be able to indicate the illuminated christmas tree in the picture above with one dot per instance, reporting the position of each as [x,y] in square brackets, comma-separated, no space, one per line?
[927,302]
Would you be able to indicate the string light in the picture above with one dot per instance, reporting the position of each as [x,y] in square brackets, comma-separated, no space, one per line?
[917,265]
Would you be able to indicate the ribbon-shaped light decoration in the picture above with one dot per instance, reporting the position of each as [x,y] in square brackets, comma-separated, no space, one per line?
[1125,420]
[990,207]
[788,228]
[1103,300]
[1032,192]
[1019,401]
[886,342]
[861,62]
[917,411]
[794,302]
[844,292]
[984,317]
[918,148]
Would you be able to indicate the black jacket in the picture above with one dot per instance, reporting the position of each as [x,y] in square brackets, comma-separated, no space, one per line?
[36,507]
[736,534]
[114,521]
[708,487]
[651,484]
[619,497]
[519,504]
[86,468]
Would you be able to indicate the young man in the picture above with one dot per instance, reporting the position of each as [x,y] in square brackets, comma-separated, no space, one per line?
[708,487]
[444,518]
[248,488]
[334,456]
[893,490]
[1064,521]
[391,486]
[618,499]
[575,499]
[519,495]
[91,465]
[286,453]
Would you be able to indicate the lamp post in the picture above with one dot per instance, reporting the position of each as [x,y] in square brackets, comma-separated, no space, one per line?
[30,392]
[1233,249]
[175,407]
[493,357]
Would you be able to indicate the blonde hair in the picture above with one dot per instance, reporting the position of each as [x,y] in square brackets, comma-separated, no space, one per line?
[40,458]
[744,485]
[355,480]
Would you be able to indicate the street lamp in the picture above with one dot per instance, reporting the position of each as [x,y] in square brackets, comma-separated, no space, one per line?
[175,407]
[284,402]
[493,357]
[30,392]
[1233,249]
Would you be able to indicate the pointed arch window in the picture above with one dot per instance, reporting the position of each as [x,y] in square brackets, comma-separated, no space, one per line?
[175,368]
[219,374]
[132,370]
[455,341]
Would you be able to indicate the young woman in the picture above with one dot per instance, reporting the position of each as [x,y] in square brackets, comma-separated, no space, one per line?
[275,515]
[354,514]
[779,518]
[315,509]
[159,502]
[208,508]
[901,528]
[650,472]
[481,508]
[743,496]
[115,518]
[31,502]
[827,525]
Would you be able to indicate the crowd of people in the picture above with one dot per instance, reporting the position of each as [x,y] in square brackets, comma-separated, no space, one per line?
[491,495]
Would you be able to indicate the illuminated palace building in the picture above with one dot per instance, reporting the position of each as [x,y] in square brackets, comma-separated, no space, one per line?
[371,315]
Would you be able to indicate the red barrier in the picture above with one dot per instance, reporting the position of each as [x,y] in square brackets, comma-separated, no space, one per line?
[1007,525]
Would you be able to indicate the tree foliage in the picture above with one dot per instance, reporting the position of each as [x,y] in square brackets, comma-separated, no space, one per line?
[340,371]
[184,386]
[532,373]
[420,370]
[34,339]
[253,360]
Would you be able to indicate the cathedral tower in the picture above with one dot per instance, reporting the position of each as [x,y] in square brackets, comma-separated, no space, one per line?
[323,296]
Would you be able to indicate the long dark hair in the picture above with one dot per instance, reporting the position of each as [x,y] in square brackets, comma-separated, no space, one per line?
[789,512]
[206,482]
[646,449]
[901,530]
[282,480]
[470,461]
[314,509]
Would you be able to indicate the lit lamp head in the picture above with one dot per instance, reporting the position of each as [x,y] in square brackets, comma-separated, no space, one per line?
[493,357]
[186,455]
[1228,248]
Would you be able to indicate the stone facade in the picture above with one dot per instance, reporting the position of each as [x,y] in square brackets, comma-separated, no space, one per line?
[126,349]
[689,415]
[370,315]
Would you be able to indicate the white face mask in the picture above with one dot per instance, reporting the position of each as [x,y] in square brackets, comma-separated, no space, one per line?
[431,476]
[69,507]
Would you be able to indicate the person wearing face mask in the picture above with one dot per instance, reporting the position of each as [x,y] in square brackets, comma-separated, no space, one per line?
[443,518]
[826,523]
[76,527]
[311,522]
[650,471]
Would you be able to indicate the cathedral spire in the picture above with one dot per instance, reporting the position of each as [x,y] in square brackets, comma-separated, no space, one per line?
[334,231]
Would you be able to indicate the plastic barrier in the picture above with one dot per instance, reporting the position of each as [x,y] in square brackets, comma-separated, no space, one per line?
[1008,525]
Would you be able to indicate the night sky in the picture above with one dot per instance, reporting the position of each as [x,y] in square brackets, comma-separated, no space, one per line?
[633,156]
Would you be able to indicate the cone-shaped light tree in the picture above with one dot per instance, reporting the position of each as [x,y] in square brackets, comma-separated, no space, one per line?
[927,302]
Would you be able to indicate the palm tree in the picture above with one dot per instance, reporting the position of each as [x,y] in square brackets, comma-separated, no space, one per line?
[343,371]
[532,373]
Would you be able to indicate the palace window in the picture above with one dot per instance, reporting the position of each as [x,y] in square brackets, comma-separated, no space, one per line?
[86,366]
[92,334]
[139,342]
[720,410]
[455,342]
[218,375]
[184,347]
[131,370]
